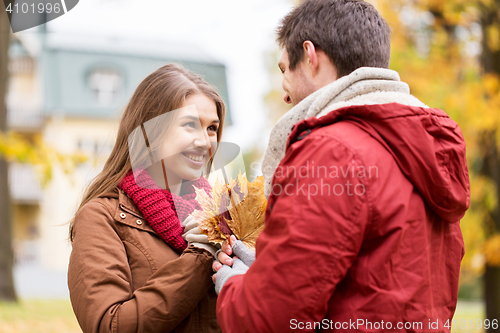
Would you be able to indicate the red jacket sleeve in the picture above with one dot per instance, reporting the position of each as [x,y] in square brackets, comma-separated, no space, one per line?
[315,222]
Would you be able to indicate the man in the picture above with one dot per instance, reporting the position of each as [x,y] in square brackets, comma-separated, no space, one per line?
[365,192]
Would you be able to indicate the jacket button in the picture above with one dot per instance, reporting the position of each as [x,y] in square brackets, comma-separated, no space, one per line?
[123,215]
[139,222]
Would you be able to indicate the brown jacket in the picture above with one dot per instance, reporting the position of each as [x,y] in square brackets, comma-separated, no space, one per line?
[124,278]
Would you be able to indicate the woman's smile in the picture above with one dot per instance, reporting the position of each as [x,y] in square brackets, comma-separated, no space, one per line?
[195,157]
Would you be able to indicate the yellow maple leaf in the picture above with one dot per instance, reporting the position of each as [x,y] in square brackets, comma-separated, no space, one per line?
[248,215]
[208,218]
[247,206]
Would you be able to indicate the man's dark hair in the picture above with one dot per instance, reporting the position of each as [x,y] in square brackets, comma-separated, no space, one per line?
[351,32]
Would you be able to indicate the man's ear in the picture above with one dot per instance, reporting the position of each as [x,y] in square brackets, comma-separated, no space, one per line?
[320,66]
[311,57]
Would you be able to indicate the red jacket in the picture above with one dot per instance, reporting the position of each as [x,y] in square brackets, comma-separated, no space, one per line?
[362,228]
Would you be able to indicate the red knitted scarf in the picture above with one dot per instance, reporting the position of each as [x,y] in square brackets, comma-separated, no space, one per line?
[163,210]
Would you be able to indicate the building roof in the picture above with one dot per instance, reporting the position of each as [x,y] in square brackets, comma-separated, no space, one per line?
[67,63]
[147,48]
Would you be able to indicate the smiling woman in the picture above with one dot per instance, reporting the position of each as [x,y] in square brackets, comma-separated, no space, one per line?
[133,267]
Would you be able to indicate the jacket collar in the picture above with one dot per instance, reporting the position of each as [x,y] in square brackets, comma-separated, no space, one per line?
[127,206]
[125,202]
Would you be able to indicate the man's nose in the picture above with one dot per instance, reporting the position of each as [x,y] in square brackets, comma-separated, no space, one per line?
[287,99]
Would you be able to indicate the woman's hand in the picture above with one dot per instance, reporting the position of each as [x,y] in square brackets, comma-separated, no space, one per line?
[193,235]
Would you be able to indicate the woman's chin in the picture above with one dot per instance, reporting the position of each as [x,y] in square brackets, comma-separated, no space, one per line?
[191,176]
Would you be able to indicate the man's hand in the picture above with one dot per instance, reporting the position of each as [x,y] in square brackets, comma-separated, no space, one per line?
[243,259]
[223,256]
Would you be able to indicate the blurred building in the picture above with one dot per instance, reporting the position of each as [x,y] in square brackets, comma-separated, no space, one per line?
[71,90]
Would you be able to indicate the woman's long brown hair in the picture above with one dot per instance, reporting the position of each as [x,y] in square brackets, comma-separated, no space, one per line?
[162,91]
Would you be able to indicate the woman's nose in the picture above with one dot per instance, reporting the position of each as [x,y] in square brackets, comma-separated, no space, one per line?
[202,140]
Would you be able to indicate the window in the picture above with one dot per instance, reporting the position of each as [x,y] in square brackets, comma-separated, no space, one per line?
[106,85]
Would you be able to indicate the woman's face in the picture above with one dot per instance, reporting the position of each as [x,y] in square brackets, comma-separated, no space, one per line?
[185,148]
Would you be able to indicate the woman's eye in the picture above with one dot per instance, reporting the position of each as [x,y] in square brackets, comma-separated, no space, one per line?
[213,128]
[191,124]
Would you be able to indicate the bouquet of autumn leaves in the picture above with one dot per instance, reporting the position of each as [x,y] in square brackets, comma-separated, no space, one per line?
[237,208]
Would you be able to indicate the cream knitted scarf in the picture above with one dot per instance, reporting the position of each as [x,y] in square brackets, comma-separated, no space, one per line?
[364,86]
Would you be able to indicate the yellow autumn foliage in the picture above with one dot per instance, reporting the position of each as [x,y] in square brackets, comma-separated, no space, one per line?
[492,250]
[242,211]
[248,214]
[16,148]
[445,74]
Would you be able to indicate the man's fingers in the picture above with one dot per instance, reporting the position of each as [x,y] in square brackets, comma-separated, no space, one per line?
[216,266]
[232,239]
[226,248]
[214,277]
[225,259]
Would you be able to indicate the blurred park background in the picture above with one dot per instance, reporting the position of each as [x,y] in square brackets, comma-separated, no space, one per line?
[65,83]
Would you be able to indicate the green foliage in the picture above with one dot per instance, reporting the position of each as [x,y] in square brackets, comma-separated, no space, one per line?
[471,289]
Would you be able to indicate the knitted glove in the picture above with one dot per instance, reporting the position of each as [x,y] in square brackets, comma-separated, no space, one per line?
[192,235]
[244,253]
[227,272]
[192,232]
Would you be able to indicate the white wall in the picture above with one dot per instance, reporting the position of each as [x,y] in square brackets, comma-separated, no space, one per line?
[62,195]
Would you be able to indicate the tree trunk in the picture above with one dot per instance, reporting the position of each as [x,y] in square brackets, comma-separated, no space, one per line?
[491,64]
[7,291]
[492,294]
[491,169]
